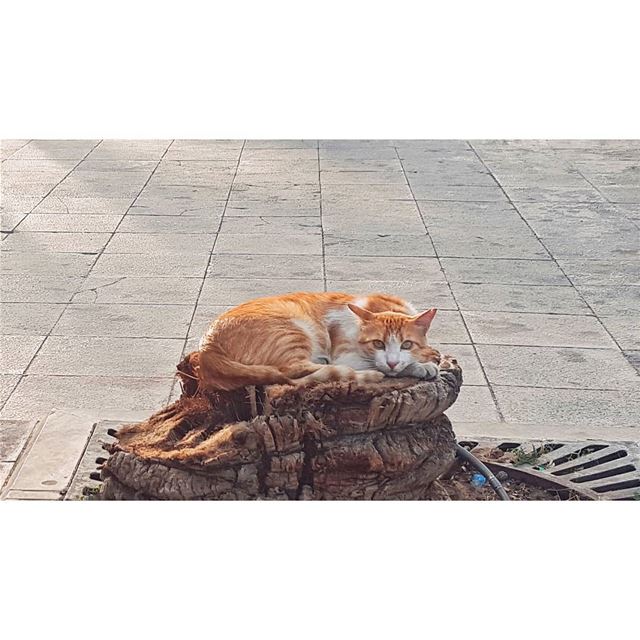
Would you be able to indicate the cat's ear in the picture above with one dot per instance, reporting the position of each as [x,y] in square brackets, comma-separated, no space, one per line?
[424,319]
[360,312]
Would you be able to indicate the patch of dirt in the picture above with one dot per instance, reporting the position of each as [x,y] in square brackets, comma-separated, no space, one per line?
[456,485]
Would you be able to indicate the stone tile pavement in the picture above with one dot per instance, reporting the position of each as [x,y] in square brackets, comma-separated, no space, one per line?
[115,254]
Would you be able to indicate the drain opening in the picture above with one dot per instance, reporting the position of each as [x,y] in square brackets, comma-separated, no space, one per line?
[610,473]
[627,484]
[579,466]
[584,451]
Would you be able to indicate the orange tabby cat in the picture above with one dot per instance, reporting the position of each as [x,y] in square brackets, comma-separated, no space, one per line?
[299,338]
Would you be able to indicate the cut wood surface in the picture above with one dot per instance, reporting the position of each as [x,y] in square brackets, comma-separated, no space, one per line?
[387,440]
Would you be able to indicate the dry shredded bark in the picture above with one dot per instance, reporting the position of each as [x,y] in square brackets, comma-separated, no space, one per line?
[387,440]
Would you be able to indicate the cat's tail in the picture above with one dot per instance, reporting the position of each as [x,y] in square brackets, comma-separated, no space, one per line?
[217,371]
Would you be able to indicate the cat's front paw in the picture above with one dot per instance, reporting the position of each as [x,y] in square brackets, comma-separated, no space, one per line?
[422,370]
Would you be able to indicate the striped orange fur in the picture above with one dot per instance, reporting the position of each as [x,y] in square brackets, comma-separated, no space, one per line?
[303,337]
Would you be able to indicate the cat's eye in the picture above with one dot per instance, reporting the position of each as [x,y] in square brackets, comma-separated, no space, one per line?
[407,344]
[378,344]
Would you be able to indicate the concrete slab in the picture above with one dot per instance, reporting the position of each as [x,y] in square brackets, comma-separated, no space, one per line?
[537,329]
[13,436]
[558,367]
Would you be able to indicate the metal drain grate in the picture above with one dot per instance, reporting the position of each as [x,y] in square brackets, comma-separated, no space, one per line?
[609,471]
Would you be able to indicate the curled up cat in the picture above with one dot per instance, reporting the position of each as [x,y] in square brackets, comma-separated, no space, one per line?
[301,338]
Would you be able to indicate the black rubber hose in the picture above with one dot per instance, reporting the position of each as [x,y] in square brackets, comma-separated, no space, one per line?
[484,470]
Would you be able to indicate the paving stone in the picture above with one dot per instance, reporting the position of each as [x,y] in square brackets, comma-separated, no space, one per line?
[281,144]
[107,356]
[537,329]
[70,223]
[623,194]
[55,167]
[307,225]
[265,267]
[138,290]
[151,265]
[26,189]
[45,242]
[633,357]
[82,188]
[226,291]
[5,470]
[342,163]
[38,288]
[466,213]
[87,205]
[328,176]
[587,407]
[7,385]
[52,458]
[16,352]
[601,272]
[273,192]
[423,294]
[448,328]
[161,244]
[125,320]
[467,193]
[13,436]
[180,200]
[466,356]
[624,329]
[44,264]
[130,150]
[18,204]
[298,244]
[391,223]
[490,271]
[15,494]
[485,242]
[206,150]
[377,244]
[281,208]
[345,154]
[558,367]
[37,395]
[280,154]
[17,318]
[358,207]
[294,176]
[170,224]
[622,300]
[54,149]
[268,168]
[90,165]
[387,268]
[366,192]
[474,404]
[620,242]
[523,298]
[9,147]
[195,173]
[561,177]
[426,180]
[9,221]
[553,194]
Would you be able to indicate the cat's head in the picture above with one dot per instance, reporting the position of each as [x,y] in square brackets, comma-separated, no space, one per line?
[392,341]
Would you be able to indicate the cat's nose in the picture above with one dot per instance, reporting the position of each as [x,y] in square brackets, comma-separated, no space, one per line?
[392,363]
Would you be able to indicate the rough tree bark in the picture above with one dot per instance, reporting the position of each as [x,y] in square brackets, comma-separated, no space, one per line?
[387,440]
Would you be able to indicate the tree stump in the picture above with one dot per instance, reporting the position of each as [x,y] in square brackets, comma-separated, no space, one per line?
[332,441]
